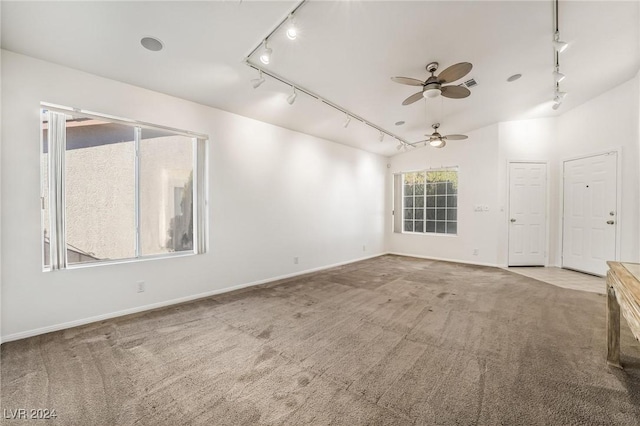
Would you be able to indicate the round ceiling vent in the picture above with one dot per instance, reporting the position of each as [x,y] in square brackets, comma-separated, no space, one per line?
[514,77]
[399,123]
[151,43]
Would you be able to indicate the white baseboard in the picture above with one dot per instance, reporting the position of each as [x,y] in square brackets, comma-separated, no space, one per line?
[445,259]
[97,318]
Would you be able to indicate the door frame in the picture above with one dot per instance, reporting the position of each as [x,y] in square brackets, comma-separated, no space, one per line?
[547,212]
[618,151]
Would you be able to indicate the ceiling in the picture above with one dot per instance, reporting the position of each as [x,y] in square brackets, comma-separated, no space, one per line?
[346,52]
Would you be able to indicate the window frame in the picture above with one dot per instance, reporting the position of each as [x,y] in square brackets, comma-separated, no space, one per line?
[199,195]
[424,207]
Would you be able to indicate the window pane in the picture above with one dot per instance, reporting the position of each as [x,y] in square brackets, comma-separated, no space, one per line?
[408,213]
[452,201]
[431,214]
[100,195]
[430,189]
[430,226]
[408,201]
[441,201]
[452,227]
[431,201]
[418,226]
[419,189]
[441,214]
[408,226]
[452,214]
[418,201]
[441,188]
[166,192]
[440,227]
[44,169]
[418,214]
[408,190]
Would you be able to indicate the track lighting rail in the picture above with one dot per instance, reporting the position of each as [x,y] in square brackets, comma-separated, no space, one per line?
[298,88]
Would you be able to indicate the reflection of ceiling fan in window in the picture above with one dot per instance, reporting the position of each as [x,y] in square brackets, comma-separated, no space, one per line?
[433,86]
[436,140]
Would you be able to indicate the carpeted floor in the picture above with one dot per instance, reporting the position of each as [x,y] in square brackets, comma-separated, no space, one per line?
[391,340]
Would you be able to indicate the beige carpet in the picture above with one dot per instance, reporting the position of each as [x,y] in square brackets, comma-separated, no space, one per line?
[391,340]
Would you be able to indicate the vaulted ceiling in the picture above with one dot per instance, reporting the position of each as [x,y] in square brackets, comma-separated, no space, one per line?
[346,52]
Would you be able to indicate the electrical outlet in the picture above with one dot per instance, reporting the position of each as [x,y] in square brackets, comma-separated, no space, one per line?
[141,287]
[476,252]
[295,260]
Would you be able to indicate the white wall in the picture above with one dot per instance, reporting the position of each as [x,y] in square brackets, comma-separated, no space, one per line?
[476,158]
[274,194]
[607,122]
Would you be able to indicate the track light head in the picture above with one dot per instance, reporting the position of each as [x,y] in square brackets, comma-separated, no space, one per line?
[556,105]
[559,97]
[257,82]
[265,56]
[347,121]
[558,76]
[558,44]
[292,31]
[292,97]
[381,137]
[399,147]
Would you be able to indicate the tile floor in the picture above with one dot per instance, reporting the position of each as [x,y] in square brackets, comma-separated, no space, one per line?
[562,278]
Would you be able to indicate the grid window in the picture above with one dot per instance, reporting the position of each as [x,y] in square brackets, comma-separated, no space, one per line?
[430,202]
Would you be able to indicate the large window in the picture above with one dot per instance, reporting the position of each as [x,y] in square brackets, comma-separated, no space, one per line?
[430,201]
[115,190]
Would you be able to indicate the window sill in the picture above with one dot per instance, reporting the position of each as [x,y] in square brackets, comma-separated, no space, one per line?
[435,234]
[124,261]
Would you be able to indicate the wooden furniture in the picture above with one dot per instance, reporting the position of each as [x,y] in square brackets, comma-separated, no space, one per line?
[623,295]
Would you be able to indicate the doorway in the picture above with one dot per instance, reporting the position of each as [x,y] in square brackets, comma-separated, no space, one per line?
[527,214]
[589,229]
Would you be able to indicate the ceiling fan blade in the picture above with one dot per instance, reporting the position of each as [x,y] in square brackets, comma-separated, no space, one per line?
[456,137]
[454,72]
[413,98]
[407,80]
[455,92]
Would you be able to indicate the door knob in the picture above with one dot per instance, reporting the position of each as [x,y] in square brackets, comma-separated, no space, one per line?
[610,222]
[512,220]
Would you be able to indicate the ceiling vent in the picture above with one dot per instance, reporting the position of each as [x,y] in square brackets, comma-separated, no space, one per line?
[469,83]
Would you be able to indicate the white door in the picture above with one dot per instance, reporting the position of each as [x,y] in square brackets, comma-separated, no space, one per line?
[527,214]
[589,230]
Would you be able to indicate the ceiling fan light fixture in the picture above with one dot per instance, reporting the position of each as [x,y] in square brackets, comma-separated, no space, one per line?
[265,56]
[437,143]
[431,92]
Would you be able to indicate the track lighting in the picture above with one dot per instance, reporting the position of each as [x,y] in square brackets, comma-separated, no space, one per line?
[347,121]
[292,31]
[257,82]
[381,137]
[556,105]
[558,76]
[559,45]
[559,97]
[292,97]
[399,147]
[265,56]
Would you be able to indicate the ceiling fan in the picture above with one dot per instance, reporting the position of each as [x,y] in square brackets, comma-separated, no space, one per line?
[433,86]
[436,140]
